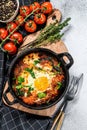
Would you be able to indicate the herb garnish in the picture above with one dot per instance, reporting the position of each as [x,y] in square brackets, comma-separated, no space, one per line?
[31,72]
[57,67]
[36,62]
[59,64]
[20,93]
[19,86]
[41,95]
[20,79]
[30,88]
[59,85]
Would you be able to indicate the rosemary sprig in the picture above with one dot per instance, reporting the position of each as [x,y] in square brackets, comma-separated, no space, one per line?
[49,34]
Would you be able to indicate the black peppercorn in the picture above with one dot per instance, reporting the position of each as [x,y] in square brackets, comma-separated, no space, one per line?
[7,9]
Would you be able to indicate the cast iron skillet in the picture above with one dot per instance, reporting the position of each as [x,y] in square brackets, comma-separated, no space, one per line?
[65,66]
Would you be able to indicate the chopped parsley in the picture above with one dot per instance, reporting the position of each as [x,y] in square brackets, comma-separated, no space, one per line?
[30,88]
[59,85]
[31,72]
[19,86]
[57,68]
[20,79]
[41,95]
[36,62]
[20,93]
[59,64]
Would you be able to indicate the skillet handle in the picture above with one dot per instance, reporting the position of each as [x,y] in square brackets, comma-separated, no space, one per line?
[69,59]
[6,98]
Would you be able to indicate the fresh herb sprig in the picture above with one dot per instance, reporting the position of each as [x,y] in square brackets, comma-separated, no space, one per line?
[49,34]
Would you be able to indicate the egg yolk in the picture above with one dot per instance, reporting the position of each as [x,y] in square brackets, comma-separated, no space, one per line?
[41,83]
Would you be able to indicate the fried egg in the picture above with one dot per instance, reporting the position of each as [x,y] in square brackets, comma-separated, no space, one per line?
[43,75]
[40,83]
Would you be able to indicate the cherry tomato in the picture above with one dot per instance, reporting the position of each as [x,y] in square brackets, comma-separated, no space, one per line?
[30,26]
[24,10]
[11,26]
[46,7]
[3,33]
[35,6]
[10,48]
[19,20]
[40,18]
[16,37]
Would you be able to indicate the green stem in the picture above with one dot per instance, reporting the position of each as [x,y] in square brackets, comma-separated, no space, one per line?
[50,40]
[50,33]
[52,30]
[17,28]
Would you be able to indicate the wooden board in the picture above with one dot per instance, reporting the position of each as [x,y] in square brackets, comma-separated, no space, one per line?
[60,48]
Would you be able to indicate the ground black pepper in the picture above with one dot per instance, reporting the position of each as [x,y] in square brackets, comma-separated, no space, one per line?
[7,9]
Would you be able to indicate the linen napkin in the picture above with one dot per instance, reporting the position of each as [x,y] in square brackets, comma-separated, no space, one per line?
[11,119]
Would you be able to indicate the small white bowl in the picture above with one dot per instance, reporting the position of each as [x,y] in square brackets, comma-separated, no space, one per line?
[15,13]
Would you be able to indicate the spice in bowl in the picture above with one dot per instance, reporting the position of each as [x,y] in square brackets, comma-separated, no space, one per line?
[7,9]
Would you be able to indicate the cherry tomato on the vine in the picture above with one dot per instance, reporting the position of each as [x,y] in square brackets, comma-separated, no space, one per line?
[46,7]
[24,10]
[11,26]
[40,18]
[16,37]
[3,33]
[10,47]
[35,6]
[30,26]
[19,20]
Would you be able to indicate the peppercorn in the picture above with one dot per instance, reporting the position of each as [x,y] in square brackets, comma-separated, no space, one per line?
[7,9]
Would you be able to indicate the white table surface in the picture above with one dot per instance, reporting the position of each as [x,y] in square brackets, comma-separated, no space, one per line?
[76,41]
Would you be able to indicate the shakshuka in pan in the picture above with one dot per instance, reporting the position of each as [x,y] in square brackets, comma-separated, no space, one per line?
[37,78]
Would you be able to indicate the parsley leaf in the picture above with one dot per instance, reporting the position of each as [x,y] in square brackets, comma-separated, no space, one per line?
[19,92]
[30,88]
[59,85]
[20,79]
[19,86]
[36,62]
[59,64]
[41,95]
[31,72]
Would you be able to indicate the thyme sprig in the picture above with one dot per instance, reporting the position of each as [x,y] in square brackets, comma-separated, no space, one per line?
[49,34]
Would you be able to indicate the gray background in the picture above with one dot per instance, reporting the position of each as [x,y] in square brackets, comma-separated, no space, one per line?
[76,41]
